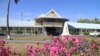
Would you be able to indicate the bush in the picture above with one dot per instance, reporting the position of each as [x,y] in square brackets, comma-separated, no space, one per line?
[57,46]
[2,33]
[18,32]
[73,33]
[6,51]
[36,32]
[86,33]
[64,46]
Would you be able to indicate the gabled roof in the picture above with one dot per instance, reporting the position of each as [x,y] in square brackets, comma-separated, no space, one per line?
[84,25]
[51,14]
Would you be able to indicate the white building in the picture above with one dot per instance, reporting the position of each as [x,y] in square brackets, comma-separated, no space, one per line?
[80,28]
[49,23]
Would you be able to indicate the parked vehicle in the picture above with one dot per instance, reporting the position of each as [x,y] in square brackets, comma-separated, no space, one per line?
[94,33]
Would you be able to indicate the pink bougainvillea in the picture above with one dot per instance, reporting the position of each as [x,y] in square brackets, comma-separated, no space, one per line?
[54,51]
[59,46]
[63,46]
[6,51]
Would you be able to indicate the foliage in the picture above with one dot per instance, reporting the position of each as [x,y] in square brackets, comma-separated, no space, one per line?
[37,32]
[6,51]
[95,20]
[2,32]
[18,32]
[16,1]
[86,33]
[74,33]
[58,46]
[83,21]
[64,46]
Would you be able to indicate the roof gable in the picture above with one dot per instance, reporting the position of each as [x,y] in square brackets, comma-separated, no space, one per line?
[51,14]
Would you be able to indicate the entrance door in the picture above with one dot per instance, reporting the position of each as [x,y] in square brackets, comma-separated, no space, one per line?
[51,30]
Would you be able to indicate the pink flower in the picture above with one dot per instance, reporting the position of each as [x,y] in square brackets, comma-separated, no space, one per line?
[33,54]
[73,49]
[54,51]
[47,47]
[95,46]
[68,53]
[77,41]
[62,48]
[2,42]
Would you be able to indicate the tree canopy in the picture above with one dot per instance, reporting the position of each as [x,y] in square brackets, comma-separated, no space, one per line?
[94,20]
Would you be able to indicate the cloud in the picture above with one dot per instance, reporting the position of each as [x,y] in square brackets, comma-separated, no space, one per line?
[79,16]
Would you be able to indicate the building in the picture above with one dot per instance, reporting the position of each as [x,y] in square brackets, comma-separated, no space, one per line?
[46,24]
[80,28]
[49,23]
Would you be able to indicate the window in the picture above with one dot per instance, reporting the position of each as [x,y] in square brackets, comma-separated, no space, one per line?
[3,28]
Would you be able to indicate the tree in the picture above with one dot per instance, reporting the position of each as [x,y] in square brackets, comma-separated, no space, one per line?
[8,7]
[95,20]
[83,21]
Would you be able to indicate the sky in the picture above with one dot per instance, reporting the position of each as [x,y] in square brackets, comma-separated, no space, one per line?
[70,9]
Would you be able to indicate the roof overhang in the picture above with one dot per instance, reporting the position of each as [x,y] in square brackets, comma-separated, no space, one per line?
[84,25]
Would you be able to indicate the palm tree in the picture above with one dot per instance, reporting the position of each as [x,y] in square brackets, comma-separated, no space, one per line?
[8,7]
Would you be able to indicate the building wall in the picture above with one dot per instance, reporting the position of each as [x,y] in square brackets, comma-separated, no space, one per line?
[23,30]
[49,24]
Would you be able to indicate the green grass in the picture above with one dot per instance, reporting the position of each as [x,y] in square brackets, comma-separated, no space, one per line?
[31,37]
[21,47]
[34,38]
[96,39]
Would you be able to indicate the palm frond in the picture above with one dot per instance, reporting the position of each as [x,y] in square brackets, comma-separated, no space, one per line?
[16,1]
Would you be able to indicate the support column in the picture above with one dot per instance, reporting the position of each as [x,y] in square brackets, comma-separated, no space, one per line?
[13,30]
[81,33]
[43,30]
[31,31]
[19,28]
[25,30]
[34,30]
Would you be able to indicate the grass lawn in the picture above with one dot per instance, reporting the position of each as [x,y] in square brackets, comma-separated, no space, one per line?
[96,39]
[21,47]
[29,37]
[34,38]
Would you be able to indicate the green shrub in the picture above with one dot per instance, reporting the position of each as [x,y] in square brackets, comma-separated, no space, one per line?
[2,32]
[18,32]
[37,32]
[73,33]
[86,33]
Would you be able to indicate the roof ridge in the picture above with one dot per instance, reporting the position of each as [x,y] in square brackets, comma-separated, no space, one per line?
[54,12]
